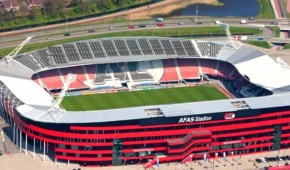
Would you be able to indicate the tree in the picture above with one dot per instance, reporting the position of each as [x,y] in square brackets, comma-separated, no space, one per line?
[22,12]
[8,15]
[85,6]
[34,13]
[55,8]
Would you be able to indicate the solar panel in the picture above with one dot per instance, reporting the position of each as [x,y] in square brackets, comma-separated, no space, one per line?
[156,46]
[71,52]
[133,47]
[178,46]
[145,47]
[97,49]
[28,61]
[109,48]
[122,47]
[189,48]
[84,50]
[57,54]
[42,57]
[167,46]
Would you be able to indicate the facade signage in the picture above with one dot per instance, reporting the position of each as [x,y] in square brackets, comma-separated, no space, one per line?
[230,116]
[194,119]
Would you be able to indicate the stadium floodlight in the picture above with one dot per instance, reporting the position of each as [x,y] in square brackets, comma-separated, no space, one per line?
[226,27]
[56,111]
[9,58]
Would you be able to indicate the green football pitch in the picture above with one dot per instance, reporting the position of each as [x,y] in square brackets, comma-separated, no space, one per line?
[141,98]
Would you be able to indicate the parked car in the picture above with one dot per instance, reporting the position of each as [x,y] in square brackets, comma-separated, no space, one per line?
[66,34]
[131,27]
[181,23]
[91,31]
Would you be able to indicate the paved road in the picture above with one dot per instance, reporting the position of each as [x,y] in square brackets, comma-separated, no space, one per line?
[45,36]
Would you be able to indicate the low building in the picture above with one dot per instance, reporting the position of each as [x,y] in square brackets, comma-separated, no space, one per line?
[35,3]
[9,5]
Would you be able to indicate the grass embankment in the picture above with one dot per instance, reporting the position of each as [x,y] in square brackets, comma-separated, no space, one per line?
[287,46]
[267,10]
[276,30]
[263,44]
[141,98]
[185,31]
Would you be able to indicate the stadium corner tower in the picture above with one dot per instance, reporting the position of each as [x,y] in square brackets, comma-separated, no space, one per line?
[255,119]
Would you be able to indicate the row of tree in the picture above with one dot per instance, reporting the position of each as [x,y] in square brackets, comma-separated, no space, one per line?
[54,9]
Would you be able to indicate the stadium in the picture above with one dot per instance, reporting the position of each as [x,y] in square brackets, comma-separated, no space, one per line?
[142,100]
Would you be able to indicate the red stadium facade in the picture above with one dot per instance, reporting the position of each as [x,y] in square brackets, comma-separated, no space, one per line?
[176,138]
[217,128]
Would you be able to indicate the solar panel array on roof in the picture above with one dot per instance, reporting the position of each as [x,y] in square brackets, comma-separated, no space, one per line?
[122,47]
[167,46]
[97,49]
[189,48]
[84,50]
[133,46]
[178,46]
[109,48]
[145,47]
[28,61]
[42,57]
[57,54]
[71,52]
[103,48]
[156,46]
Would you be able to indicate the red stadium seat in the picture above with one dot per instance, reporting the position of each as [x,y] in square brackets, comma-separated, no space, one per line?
[188,68]
[208,66]
[170,73]
[78,84]
[51,79]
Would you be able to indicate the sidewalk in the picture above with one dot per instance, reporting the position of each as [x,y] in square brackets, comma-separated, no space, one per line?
[26,162]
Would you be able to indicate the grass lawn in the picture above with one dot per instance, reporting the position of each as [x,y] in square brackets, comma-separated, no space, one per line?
[263,44]
[267,11]
[152,32]
[141,98]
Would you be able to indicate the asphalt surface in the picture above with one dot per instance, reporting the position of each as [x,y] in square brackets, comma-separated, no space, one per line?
[58,34]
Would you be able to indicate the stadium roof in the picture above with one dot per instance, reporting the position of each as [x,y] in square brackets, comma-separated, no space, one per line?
[173,110]
[260,68]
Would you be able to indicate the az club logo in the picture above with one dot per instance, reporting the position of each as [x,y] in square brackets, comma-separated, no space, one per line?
[230,115]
